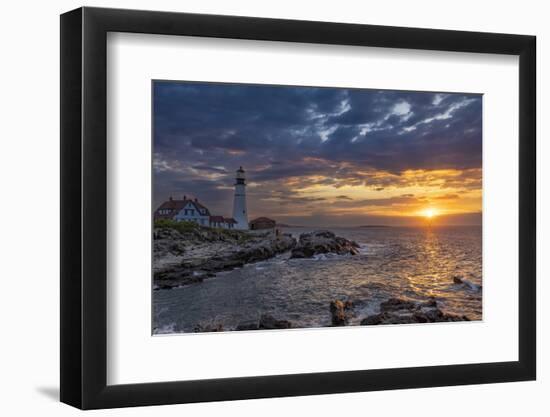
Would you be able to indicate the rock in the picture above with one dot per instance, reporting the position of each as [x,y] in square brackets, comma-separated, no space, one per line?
[206,328]
[394,304]
[372,320]
[164,287]
[169,280]
[269,322]
[398,311]
[340,312]
[303,252]
[247,326]
[430,303]
[322,241]
[266,322]
[467,284]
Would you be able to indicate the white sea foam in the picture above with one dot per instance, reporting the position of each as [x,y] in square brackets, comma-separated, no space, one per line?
[370,248]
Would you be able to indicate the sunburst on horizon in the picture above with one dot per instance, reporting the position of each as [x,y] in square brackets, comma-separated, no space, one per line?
[430,213]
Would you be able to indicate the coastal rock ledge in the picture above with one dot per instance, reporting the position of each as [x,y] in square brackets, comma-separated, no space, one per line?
[185,257]
[323,241]
[399,311]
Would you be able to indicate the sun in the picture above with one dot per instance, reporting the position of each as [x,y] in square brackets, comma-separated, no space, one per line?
[430,213]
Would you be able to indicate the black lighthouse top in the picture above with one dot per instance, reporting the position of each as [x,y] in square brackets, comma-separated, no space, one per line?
[240,176]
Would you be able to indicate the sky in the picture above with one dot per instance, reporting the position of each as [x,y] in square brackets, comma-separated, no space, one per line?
[321,156]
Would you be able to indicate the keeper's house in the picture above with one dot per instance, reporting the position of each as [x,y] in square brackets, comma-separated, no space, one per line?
[191,210]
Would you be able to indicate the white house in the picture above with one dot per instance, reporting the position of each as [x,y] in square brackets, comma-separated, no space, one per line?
[183,210]
[192,211]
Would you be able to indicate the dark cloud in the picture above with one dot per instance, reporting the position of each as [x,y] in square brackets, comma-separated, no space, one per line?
[329,136]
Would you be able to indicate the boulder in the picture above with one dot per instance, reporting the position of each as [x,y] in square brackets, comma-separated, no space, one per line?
[341,312]
[266,322]
[467,284]
[269,322]
[322,241]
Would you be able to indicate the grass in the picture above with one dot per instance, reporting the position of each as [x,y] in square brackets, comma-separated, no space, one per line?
[186,227]
[182,227]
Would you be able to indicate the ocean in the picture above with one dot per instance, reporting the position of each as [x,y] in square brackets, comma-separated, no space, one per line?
[406,262]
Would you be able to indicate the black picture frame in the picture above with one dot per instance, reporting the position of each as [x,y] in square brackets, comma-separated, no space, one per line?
[84,207]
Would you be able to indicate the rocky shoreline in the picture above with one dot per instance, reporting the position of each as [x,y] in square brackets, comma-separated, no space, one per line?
[185,254]
[399,311]
[392,311]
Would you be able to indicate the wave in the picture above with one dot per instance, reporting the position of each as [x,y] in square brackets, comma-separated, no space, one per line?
[370,248]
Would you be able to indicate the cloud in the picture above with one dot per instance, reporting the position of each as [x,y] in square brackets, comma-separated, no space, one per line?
[447,197]
[292,138]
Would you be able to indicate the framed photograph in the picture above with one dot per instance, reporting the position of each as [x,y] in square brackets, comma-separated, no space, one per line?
[258,208]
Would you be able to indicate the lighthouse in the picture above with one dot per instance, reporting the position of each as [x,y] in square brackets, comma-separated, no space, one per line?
[239,202]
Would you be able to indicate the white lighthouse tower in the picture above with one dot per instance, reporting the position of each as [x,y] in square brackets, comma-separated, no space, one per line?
[239,203]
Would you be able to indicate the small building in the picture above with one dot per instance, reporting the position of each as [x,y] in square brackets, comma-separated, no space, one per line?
[229,222]
[262,223]
[216,221]
[222,222]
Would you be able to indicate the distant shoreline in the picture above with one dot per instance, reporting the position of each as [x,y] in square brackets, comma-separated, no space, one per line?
[375,226]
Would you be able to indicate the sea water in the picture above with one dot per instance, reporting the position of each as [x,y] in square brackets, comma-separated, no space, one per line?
[404,262]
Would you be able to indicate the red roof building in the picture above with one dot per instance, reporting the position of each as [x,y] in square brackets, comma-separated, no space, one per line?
[193,211]
[262,223]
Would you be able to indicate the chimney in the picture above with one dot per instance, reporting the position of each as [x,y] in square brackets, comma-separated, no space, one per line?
[170,198]
[196,200]
[184,197]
